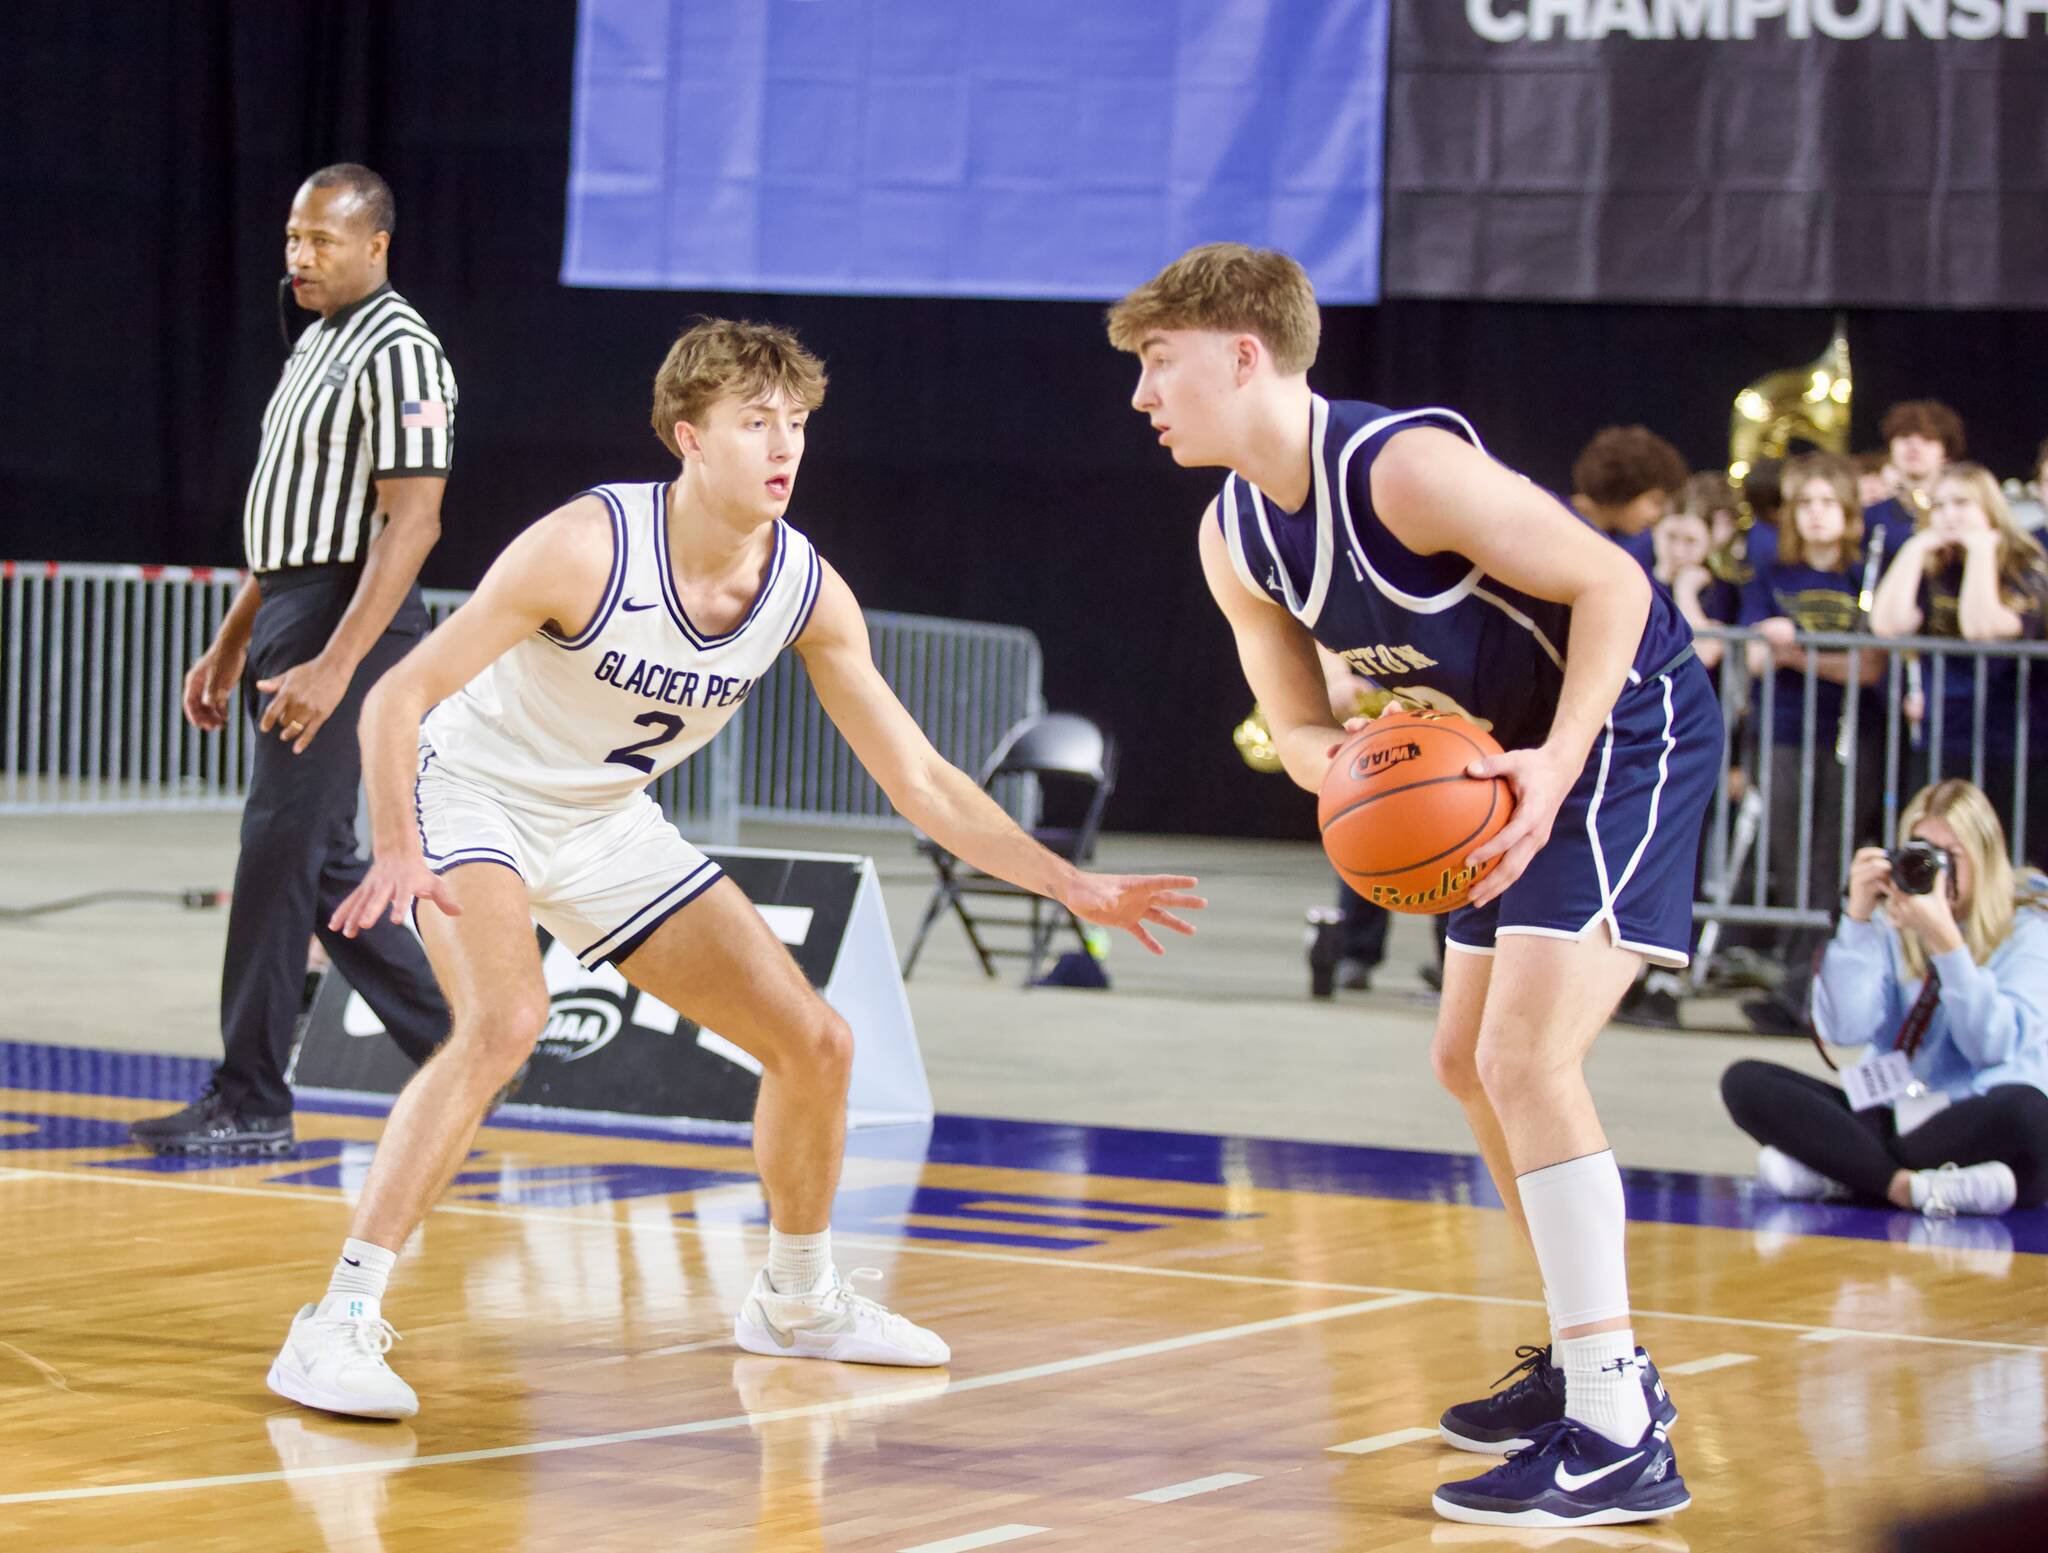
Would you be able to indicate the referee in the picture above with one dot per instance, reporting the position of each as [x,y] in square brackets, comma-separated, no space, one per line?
[343,507]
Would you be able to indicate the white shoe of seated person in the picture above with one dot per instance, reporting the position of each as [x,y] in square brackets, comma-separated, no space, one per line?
[1954,1189]
[832,1322]
[1788,1178]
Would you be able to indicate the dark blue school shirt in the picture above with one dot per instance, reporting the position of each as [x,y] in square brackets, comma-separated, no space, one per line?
[1941,615]
[1892,516]
[1435,628]
[1813,600]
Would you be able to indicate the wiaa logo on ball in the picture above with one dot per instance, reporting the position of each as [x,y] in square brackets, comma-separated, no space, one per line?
[1382,759]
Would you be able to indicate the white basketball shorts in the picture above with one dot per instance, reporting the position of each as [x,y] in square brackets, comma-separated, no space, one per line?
[599,880]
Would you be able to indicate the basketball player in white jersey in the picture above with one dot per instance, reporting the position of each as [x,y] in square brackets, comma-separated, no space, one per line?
[507,759]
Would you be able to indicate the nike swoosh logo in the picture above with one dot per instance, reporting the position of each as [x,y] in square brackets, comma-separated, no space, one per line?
[631,608]
[782,1339]
[352,1261]
[1571,1482]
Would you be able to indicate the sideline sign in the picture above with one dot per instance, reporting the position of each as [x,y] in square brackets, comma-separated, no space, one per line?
[609,1047]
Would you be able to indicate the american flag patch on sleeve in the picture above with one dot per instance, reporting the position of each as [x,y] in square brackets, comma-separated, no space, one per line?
[423,415]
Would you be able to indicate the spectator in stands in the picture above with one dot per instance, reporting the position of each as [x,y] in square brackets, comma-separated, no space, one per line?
[1873,484]
[1972,574]
[1686,540]
[1763,495]
[1623,481]
[1922,438]
[1956,980]
[1813,584]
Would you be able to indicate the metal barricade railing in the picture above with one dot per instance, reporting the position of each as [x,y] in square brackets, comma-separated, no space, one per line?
[92,669]
[93,659]
[965,684]
[1858,774]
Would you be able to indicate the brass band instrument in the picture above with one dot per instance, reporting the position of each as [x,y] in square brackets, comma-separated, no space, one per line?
[1254,740]
[1254,736]
[1809,403]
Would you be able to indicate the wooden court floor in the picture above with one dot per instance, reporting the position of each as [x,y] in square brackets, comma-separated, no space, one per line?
[1159,1343]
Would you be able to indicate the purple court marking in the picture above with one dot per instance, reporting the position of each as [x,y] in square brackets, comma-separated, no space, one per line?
[1405,1175]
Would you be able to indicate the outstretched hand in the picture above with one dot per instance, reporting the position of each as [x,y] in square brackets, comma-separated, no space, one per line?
[393,887]
[1541,780]
[1130,901]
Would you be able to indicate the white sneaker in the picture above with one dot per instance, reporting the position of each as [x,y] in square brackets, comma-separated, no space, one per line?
[336,1363]
[1789,1178]
[1954,1189]
[834,1323]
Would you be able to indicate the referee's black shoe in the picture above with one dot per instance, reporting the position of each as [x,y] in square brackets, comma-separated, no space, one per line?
[210,1125]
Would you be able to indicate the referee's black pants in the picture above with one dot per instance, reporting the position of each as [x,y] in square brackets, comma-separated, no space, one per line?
[1812,1121]
[299,857]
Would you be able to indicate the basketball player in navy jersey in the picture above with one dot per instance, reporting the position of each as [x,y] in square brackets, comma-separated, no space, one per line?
[507,759]
[1392,539]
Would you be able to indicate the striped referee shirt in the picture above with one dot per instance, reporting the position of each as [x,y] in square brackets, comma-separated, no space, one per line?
[366,394]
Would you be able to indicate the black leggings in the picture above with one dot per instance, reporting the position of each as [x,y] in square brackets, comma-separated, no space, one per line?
[1812,1121]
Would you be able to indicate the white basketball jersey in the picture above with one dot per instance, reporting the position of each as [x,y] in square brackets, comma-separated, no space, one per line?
[590,721]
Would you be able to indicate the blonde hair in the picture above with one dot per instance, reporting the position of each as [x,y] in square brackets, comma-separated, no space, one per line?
[1231,289]
[2019,552]
[716,358]
[1840,474]
[1994,894]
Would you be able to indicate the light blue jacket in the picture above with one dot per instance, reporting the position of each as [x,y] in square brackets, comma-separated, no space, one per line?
[1990,1027]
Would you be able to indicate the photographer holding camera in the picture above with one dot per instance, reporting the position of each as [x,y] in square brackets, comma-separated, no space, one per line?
[1940,965]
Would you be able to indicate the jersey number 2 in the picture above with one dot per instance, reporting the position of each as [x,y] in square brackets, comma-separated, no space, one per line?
[629,754]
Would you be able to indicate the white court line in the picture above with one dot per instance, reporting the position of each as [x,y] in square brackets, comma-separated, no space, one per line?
[1381,1442]
[1194,1486]
[324,1196]
[1719,1361]
[979,1539]
[648,1353]
[713,1425]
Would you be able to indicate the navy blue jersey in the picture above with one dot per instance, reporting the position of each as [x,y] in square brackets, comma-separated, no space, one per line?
[1434,628]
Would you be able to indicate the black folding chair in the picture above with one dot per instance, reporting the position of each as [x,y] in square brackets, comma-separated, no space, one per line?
[1071,759]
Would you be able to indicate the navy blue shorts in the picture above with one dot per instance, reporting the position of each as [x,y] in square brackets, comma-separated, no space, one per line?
[1626,841]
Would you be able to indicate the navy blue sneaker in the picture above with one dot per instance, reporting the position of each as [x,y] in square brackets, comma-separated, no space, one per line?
[1571,1476]
[1503,1422]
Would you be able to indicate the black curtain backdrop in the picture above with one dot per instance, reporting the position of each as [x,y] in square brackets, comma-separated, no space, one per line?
[974,459]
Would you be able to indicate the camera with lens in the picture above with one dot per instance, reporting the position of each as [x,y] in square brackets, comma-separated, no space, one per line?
[1917,866]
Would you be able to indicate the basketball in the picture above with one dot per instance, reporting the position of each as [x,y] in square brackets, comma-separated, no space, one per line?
[1399,816]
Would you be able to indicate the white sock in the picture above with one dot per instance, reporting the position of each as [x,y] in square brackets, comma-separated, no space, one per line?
[798,1264]
[1603,1384]
[357,1288]
[1576,1221]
